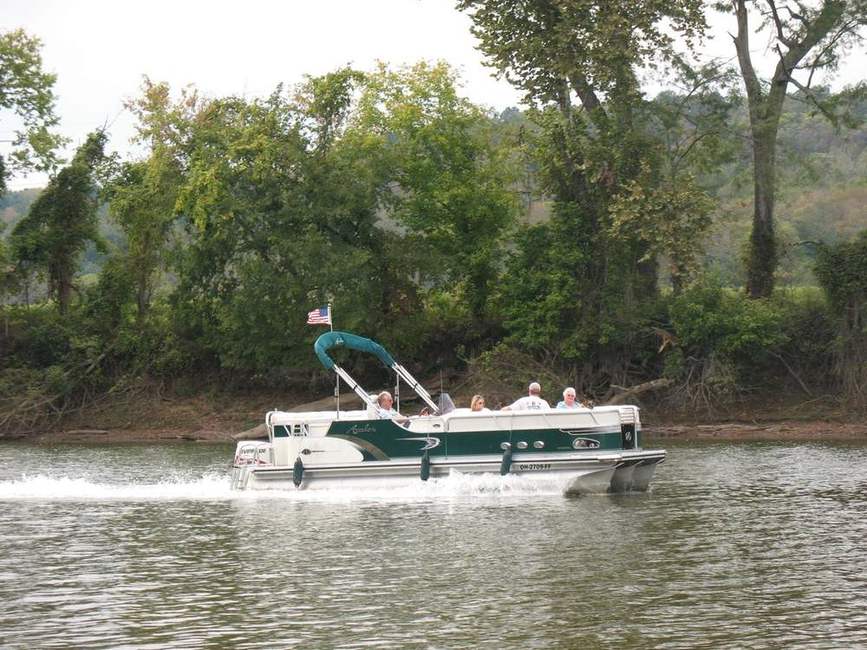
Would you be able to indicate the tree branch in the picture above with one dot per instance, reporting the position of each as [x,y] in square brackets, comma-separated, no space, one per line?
[831,117]
[779,25]
[742,46]
[792,373]
[585,91]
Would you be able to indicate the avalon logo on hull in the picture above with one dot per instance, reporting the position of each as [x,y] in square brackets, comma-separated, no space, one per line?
[356,429]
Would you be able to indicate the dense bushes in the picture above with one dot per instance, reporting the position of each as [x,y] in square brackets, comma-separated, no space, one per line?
[842,271]
[714,343]
[722,344]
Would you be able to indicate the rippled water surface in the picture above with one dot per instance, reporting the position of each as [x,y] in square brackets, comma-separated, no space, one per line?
[737,545]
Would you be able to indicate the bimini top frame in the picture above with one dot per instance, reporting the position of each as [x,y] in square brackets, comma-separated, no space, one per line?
[331,340]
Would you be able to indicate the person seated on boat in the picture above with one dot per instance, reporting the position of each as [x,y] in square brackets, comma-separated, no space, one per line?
[477,404]
[569,402]
[532,402]
[385,408]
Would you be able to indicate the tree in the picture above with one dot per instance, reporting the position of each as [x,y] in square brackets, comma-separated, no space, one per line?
[6,269]
[278,209]
[667,205]
[579,63]
[62,221]
[142,199]
[806,40]
[26,90]
[453,179]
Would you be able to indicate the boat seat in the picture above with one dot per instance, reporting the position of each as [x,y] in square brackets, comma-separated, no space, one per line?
[371,410]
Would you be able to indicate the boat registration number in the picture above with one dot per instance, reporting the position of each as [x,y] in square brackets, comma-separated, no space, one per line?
[532,466]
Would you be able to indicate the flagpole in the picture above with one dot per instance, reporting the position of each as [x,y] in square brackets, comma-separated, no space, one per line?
[337,385]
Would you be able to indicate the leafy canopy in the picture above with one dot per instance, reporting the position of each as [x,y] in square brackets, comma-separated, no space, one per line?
[26,91]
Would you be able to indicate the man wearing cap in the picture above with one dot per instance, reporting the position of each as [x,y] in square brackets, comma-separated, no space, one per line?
[532,402]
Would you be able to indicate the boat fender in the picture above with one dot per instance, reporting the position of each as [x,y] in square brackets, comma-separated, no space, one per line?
[424,473]
[506,465]
[298,472]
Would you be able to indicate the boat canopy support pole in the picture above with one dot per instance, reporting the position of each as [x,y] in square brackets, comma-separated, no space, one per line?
[353,342]
[403,373]
[354,385]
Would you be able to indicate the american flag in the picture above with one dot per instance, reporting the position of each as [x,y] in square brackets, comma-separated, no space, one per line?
[321,316]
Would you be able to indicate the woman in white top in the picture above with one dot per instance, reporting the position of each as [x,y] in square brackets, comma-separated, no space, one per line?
[569,402]
[477,405]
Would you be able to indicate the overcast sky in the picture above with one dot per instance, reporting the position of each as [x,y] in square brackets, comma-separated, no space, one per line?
[100,50]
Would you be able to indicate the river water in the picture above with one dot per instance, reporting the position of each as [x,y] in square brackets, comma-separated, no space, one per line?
[749,545]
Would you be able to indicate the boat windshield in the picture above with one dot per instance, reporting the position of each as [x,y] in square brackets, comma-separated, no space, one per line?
[446,404]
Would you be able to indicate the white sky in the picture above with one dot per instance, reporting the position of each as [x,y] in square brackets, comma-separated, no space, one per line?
[100,50]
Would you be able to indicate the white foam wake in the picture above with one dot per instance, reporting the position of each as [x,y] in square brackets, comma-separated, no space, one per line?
[65,487]
[217,487]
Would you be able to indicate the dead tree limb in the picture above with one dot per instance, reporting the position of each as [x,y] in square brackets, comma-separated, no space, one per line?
[628,393]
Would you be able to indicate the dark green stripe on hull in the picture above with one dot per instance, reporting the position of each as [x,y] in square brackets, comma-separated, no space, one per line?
[383,439]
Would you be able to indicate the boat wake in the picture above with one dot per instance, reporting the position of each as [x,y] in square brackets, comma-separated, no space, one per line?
[216,487]
[210,486]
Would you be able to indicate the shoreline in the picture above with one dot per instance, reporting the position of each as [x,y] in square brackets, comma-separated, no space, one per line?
[224,418]
[779,430]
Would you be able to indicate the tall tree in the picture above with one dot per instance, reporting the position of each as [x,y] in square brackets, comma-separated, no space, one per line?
[579,62]
[62,221]
[672,211]
[455,181]
[806,39]
[26,90]
[142,199]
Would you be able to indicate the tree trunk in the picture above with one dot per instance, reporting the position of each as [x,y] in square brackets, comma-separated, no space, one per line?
[64,294]
[763,251]
[142,300]
[647,280]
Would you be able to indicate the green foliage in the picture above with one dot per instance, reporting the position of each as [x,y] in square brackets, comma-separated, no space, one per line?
[842,271]
[808,326]
[453,180]
[142,198]
[539,296]
[37,337]
[592,45]
[808,41]
[368,190]
[623,194]
[62,221]
[719,343]
[669,218]
[709,319]
[277,219]
[503,372]
[26,90]
[394,197]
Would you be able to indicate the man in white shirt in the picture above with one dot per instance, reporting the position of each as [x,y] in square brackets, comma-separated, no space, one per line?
[532,402]
[385,408]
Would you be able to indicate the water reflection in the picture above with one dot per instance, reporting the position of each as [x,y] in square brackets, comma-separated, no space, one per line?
[744,545]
